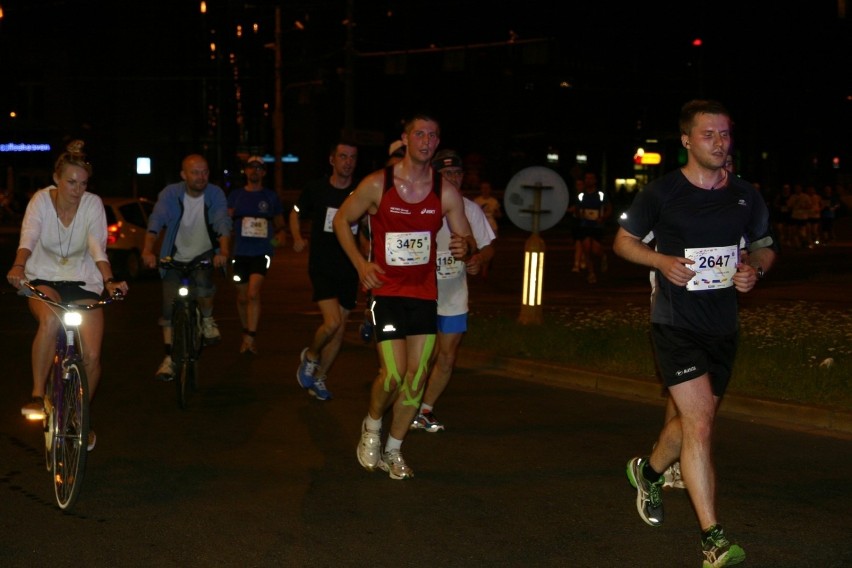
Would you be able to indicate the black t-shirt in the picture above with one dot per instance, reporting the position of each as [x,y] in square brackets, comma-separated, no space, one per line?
[683,216]
[318,202]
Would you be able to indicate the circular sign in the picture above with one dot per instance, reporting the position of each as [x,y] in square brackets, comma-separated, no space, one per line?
[519,199]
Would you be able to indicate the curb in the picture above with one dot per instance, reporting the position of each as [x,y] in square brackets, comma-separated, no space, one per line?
[817,420]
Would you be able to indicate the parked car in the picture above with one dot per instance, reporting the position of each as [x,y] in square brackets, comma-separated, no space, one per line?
[127,222]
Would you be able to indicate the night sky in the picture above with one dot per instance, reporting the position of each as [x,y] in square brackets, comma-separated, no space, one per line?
[134,78]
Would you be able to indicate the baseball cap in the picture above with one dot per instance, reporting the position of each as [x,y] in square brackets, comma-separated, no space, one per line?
[446,159]
[397,149]
[256,160]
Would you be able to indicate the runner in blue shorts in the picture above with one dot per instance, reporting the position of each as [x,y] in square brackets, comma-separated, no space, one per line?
[452,292]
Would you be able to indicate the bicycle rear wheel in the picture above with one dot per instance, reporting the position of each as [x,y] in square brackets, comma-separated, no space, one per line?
[71,437]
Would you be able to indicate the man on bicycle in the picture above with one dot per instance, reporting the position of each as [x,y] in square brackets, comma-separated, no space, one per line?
[194,214]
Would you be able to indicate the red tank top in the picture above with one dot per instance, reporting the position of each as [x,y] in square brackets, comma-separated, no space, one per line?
[403,236]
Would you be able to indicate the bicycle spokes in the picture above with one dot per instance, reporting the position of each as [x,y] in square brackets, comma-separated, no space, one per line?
[71,437]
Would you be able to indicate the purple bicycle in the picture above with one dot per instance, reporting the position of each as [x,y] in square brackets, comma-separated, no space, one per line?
[66,400]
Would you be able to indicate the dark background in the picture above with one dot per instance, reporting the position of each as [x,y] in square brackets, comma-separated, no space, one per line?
[593,78]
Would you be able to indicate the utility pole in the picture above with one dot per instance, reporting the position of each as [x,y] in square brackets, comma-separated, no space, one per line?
[349,73]
[278,111]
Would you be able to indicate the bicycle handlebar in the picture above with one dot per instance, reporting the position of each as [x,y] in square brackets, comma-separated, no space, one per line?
[202,263]
[29,291]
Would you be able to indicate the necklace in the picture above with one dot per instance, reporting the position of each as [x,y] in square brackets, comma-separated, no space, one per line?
[63,257]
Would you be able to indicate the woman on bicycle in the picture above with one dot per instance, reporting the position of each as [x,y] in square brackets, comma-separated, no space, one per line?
[62,252]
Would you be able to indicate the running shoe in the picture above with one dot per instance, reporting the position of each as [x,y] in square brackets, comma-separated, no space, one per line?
[318,389]
[34,409]
[672,477]
[369,449]
[93,439]
[248,347]
[426,421]
[393,463]
[210,331]
[306,371]
[649,496]
[166,372]
[718,550]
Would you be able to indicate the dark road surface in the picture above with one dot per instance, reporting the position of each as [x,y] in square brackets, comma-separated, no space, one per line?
[257,473]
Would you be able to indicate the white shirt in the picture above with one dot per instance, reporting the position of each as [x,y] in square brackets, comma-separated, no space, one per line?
[192,237]
[452,291]
[83,242]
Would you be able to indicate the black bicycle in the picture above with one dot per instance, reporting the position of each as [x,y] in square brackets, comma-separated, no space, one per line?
[187,339]
[66,399]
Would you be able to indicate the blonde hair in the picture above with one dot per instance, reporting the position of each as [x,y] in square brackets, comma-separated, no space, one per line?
[72,156]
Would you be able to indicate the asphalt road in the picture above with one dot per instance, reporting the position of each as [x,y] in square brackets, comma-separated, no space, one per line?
[257,473]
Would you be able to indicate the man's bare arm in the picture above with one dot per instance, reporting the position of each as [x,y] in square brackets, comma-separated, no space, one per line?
[365,198]
[674,268]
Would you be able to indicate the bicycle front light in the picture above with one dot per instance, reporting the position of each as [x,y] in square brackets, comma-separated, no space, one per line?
[183,291]
[72,318]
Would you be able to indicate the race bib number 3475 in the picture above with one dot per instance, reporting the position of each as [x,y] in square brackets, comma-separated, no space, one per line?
[407,249]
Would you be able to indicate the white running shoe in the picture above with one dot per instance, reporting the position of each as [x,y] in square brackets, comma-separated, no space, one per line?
[426,421]
[369,449]
[393,463]
[672,477]
[210,331]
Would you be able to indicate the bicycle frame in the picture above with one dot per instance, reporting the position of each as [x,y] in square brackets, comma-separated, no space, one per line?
[186,327]
[66,401]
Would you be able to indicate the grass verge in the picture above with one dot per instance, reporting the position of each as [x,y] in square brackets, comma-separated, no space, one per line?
[790,353]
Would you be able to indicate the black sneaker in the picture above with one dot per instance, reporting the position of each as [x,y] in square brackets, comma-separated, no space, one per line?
[649,496]
[718,550]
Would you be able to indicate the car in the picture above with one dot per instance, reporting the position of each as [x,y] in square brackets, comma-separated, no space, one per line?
[127,224]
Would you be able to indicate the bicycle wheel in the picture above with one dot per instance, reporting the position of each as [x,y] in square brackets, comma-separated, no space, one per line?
[54,375]
[182,353]
[72,436]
